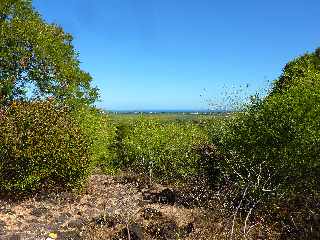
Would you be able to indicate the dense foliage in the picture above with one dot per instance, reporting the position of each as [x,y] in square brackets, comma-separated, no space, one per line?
[41,147]
[38,56]
[101,132]
[271,150]
[265,158]
[165,150]
[297,72]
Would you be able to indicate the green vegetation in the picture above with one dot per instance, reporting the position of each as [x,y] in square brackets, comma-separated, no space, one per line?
[41,147]
[43,143]
[271,150]
[101,131]
[265,159]
[36,53]
[301,71]
[164,150]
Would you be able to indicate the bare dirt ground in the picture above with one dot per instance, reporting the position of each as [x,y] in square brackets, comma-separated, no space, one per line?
[122,207]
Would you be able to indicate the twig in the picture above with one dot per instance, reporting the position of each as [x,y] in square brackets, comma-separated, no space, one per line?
[247,218]
[251,227]
[293,221]
[129,237]
[150,171]
[236,213]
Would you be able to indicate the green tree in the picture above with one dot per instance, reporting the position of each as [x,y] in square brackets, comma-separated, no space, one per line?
[296,71]
[35,53]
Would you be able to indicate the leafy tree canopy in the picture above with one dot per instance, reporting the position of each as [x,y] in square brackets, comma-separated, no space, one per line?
[298,71]
[35,53]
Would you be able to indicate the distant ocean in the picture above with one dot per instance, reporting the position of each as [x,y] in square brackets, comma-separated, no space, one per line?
[158,111]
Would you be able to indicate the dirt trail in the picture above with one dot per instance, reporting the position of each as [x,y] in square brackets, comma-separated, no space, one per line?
[108,209]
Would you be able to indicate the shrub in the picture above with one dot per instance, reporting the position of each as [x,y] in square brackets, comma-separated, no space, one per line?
[41,147]
[210,152]
[272,149]
[118,146]
[98,127]
[164,150]
[278,142]
[282,135]
[296,72]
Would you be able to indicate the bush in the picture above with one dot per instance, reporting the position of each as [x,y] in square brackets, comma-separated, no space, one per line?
[98,127]
[278,142]
[118,146]
[164,150]
[41,147]
[281,135]
[210,152]
[272,149]
[296,72]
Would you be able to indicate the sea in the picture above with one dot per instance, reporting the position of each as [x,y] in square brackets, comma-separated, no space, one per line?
[168,111]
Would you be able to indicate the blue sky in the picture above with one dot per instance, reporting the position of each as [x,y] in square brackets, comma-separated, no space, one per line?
[162,54]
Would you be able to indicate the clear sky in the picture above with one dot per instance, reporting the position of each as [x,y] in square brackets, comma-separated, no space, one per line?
[161,54]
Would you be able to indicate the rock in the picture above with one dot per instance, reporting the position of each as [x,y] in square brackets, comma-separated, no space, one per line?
[14,237]
[167,230]
[149,197]
[106,220]
[315,220]
[2,226]
[7,210]
[127,179]
[135,230]
[141,203]
[77,223]
[69,235]
[150,213]
[63,218]
[38,212]
[186,230]
[166,196]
